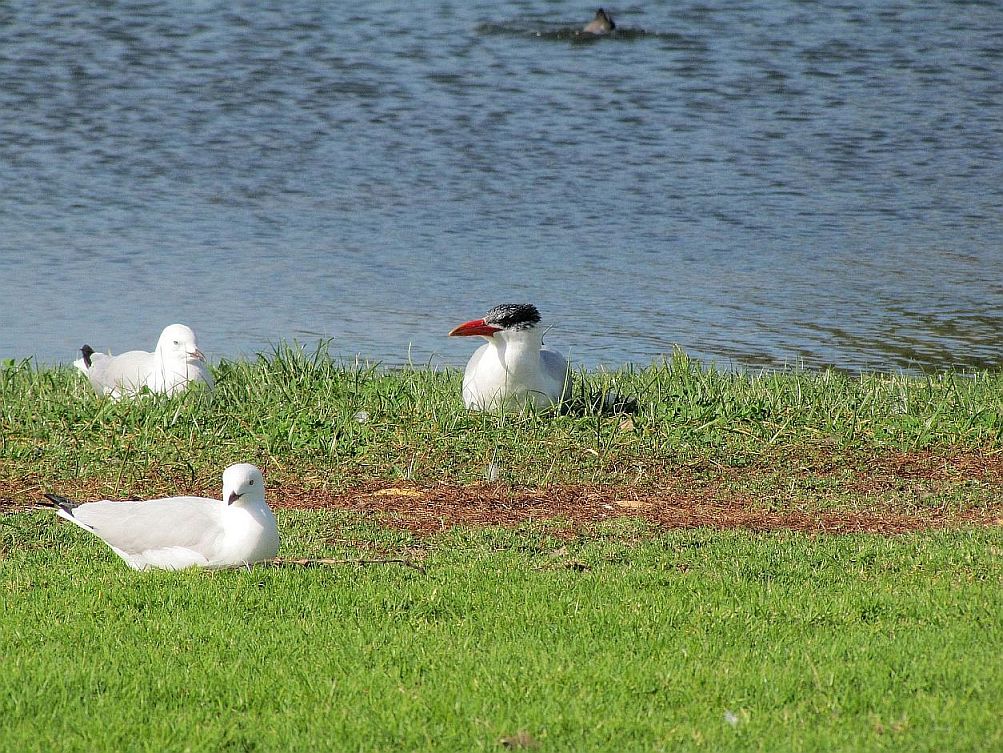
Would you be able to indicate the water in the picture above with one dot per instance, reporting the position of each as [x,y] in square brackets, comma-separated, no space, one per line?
[760,182]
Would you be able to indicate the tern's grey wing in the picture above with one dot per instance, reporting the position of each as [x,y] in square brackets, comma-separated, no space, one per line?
[556,369]
[192,523]
[123,374]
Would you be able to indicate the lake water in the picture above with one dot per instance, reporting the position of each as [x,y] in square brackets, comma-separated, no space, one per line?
[760,182]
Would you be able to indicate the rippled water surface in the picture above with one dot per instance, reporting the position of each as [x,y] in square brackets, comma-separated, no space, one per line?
[760,182]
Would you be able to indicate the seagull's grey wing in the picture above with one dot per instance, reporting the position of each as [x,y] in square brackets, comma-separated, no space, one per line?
[123,374]
[557,370]
[192,523]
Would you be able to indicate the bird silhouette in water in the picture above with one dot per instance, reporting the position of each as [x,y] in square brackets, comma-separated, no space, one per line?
[601,24]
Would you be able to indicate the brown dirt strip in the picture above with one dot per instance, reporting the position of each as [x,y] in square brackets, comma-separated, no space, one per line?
[701,495]
[427,510]
[893,468]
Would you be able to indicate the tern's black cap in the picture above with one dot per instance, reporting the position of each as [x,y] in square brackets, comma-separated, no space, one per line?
[513,316]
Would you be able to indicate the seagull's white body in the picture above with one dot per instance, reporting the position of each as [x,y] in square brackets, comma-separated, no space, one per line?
[171,367]
[178,532]
[513,369]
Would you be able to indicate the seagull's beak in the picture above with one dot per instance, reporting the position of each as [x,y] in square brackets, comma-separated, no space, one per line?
[474,327]
[233,498]
[197,355]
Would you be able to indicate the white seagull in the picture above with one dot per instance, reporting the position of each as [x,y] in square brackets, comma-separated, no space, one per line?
[178,532]
[514,368]
[176,362]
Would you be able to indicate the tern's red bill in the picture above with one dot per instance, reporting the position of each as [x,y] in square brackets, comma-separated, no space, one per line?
[474,327]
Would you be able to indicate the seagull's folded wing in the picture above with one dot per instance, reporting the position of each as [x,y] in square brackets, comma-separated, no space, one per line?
[191,523]
[128,372]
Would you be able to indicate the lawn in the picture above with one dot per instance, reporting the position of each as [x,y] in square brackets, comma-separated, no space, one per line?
[587,621]
[623,638]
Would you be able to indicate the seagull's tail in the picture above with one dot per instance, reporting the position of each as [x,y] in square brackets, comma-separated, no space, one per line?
[64,507]
[63,503]
[84,363]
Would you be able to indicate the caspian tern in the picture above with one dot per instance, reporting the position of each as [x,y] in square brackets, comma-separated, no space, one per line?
[176,362]
[178,532]
[601,24]
[514,368]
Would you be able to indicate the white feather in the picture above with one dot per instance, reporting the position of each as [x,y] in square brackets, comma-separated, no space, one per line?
[178,532]
[172,366]
[514,369]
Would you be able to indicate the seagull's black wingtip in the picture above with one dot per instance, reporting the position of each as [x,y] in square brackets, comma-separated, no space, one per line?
[61,502]
[87,351]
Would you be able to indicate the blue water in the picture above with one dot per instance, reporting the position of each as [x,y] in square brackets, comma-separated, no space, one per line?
[760,182]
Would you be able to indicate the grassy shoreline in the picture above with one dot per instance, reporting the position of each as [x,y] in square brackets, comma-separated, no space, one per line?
[810,440]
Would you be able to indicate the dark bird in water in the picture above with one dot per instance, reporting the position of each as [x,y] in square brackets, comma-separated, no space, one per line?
[601,24]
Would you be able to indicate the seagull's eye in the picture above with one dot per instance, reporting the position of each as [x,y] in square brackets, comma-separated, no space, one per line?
[251,482]
[177,342]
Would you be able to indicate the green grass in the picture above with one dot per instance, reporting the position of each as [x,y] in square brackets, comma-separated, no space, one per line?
[623,639]
[298,414]
[685,641]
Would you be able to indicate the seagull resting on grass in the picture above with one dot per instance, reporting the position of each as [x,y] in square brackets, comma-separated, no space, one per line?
[178,532]
[513,369]
[176,362]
